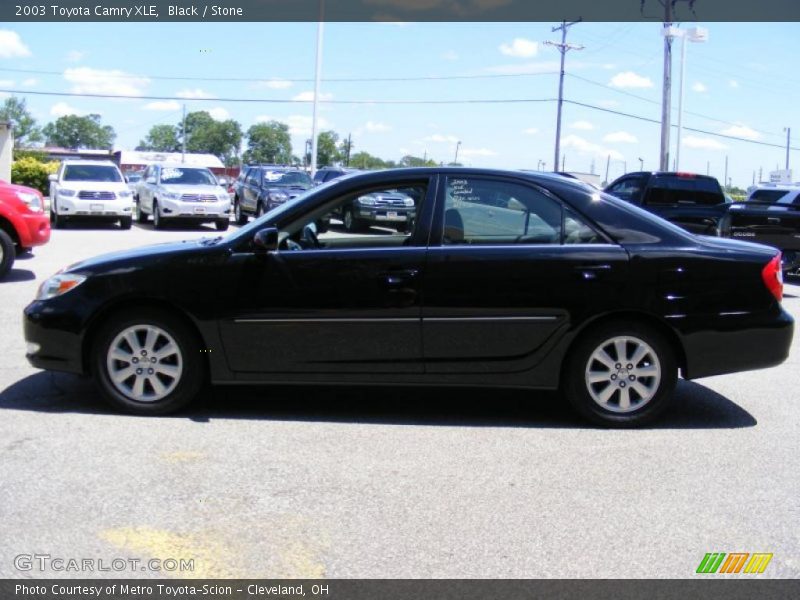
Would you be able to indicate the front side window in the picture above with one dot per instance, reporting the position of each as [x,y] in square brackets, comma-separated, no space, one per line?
[92,173]
[482,211]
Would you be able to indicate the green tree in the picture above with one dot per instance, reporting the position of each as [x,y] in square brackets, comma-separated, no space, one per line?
[268,143]
[365,160]
[72,131]
[328,152]
[416,161]
[25,130]
[206,135]
[161,138]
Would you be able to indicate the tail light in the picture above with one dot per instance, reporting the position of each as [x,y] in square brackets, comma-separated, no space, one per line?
[773,277]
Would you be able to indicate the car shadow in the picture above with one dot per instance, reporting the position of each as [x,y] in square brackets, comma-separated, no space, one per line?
[695,406]
[176,227]
[78,223]
[17,275]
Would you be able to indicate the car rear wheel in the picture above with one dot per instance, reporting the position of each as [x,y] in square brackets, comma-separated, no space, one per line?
[621,374]
[238,216]
[147,362]
[7,253]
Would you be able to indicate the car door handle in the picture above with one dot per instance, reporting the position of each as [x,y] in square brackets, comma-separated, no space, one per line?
[399,277]
[773,220]
[591,272]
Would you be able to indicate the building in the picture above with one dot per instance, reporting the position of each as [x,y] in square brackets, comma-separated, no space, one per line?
[132,160]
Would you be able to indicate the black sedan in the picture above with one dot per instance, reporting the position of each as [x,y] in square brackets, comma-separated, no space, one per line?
[505,279]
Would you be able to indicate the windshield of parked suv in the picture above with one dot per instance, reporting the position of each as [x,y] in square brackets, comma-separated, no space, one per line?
[183,176]
[91,173]
[287,178]
[675,189]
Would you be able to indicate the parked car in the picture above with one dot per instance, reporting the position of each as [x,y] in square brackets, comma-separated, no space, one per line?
[770,215]
[694,202]
[506,279]
[176,192]
[330,173]
[133,179]
[262,188]
[391,208]
[23,223]
[90,189]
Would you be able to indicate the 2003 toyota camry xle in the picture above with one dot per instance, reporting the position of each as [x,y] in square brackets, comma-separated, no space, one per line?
[504,279]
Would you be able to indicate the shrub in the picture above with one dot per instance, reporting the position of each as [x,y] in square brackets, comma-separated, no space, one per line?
[33,173]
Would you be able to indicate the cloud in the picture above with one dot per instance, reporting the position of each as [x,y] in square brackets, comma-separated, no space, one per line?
[195,94]
[450,55]
[11,45]
[620,137]
[309,97]
[86,80]
[699,87]
[629,79]
[477,152]
[701,143]
[74,56]
[438,138]
[586,147]
[7,83]
[377,127]
[733,84]
[298,124]
[520,48]
[742,131]
[62,109]
[272,84]
[219,113]
[530,131]
[582,125]
[30,82]
[171,105]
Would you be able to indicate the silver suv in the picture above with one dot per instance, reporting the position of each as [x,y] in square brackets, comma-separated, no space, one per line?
[173,192]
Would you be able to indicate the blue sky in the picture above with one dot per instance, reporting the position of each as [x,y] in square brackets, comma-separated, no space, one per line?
[742,82]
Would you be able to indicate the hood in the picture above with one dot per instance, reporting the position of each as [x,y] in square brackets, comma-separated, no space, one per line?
[13,187]
[151,255]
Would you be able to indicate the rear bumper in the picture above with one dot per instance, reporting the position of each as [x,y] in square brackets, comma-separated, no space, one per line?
[739,343]
[35,230]
[53,338]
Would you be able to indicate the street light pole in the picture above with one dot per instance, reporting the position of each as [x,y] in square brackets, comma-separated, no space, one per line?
[696,34]
[788,145]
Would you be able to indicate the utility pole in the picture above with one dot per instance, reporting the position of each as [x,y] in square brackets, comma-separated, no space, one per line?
[455,160]
[788,144]
[183,136]
[317,77]
[760,174]
[347,146]
[563,48]
[666,95]
[608,164]
[726,170]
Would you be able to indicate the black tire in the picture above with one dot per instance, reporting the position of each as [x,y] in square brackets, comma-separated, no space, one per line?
[260,210]
[402,227]
[58,221]
[239,216]
[7,253]
[141,216]
[351,223]
[158,221]
[222,224]
[660,356]
[187,386]
[125,222]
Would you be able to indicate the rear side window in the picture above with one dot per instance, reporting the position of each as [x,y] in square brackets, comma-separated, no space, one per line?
[673,190]
[629,189]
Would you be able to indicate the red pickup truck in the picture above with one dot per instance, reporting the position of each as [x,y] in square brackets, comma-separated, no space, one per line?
[23,222]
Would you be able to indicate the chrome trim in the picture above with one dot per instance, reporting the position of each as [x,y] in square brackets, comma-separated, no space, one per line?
[397,319]
[498,318]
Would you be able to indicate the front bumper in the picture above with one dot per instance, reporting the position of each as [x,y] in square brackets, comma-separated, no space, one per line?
[386,214]
[75,207]
[178,209]
[35,230]
[740,342]
[54,338]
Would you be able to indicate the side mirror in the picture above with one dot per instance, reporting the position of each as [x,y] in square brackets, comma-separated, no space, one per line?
[266,240]
[52,177]
[150,180]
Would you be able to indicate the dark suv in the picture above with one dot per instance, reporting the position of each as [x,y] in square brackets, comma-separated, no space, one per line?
[390,208]
[329,173]
[261,188]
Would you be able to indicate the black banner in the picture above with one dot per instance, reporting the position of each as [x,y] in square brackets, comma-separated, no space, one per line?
[402,589]
[396,10]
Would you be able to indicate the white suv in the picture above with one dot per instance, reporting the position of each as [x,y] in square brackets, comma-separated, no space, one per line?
[92,189]
[778,195]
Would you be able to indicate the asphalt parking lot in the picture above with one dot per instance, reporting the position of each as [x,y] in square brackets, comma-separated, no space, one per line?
[384,483]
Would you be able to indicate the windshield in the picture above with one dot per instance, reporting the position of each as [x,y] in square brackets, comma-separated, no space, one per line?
[91,173]
[287,178]
[182,176]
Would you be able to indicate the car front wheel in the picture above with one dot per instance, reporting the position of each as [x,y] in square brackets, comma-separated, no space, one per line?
[158,221]
[7,253]
[238,216]
[147,363]
[621,374]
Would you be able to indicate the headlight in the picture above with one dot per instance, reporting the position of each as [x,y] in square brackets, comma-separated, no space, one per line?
[59,284]
[63,192]
[278,196]
[124,194]
[33,201]
[366,200]
[225,197]
[408,202]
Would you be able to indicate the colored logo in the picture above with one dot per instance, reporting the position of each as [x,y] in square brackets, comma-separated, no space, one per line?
[735,562]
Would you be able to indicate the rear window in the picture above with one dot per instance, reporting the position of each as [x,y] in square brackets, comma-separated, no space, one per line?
[91,173]
[673,190]
[769,196]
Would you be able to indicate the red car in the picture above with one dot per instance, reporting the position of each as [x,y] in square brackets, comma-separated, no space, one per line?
[23,222]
